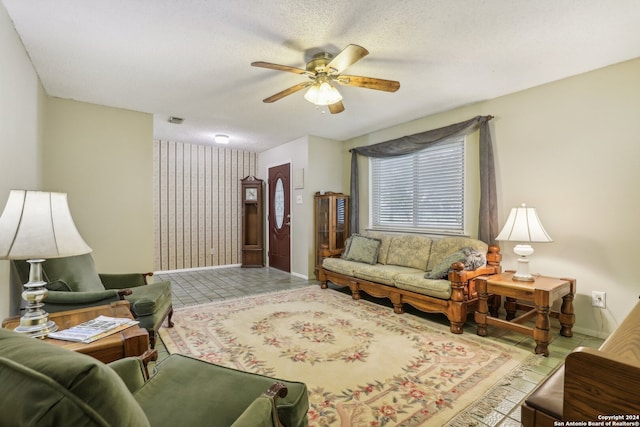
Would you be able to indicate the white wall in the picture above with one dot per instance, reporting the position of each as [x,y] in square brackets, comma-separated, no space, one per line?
[22,101]
[569,148]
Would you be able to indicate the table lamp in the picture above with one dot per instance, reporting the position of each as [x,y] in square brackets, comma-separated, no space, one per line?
[523,225]
[36,225]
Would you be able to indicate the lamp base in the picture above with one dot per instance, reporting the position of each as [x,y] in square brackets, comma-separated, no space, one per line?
[37,331]
[35,321]
[522,273]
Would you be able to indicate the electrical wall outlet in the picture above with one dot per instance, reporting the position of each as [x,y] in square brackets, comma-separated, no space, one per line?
[599,299]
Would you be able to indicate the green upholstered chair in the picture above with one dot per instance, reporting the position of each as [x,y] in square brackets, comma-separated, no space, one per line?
[73,282]
[45,385]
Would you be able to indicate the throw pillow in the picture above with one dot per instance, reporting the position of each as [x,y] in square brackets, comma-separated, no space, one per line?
[441,271]
[347,245]
[363,249]
[471,258]
[474,259]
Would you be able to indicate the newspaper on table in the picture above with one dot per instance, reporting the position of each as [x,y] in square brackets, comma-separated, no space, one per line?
[94,329]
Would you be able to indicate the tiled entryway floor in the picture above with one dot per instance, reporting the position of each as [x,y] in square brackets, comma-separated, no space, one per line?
[202,286]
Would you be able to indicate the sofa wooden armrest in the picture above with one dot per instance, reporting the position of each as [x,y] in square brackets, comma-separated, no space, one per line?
[325,252]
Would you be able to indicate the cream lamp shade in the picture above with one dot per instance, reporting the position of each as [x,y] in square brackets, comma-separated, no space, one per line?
[523,225]
[36,225]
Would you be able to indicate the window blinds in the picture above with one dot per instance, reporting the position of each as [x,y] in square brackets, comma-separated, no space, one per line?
[421,191]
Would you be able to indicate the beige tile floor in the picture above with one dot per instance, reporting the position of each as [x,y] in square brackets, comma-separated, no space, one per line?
[201,286]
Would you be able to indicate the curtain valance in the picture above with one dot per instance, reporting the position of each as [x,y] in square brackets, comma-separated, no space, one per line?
[410,144]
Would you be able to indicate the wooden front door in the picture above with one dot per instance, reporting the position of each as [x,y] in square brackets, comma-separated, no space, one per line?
[279,217]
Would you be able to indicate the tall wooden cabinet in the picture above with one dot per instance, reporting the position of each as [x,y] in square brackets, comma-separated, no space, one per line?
[252,222]
[331,225]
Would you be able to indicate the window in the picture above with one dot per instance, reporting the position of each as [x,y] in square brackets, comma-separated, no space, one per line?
[423,191]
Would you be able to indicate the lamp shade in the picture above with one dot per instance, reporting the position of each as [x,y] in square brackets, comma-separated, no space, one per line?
[37,224]
[523,225]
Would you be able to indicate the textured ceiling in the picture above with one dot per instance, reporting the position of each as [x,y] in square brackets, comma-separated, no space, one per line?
[191,58]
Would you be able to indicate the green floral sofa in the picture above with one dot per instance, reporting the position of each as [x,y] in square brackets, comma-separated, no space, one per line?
[431,274]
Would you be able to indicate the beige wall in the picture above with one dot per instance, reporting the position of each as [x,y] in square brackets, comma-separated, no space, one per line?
[102,158]
[22,102]
[569,148]
[296,154]
[324,175]
[318,158]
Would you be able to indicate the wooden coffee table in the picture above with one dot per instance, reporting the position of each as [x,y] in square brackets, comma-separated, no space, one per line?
[542,293]
[133,341]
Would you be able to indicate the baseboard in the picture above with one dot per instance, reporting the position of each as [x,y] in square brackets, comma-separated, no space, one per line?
[301,276]
[590,332]
[182,270]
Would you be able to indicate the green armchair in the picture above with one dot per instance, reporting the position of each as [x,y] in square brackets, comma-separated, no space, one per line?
[73,282]
[45,385]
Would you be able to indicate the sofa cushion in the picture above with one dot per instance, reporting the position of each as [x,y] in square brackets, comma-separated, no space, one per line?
[379,273]
[385,242]
[339,265]
[409,251]
[548,397]
[444,247]
[362,249]
[232,392]
[415,282]
[53,386]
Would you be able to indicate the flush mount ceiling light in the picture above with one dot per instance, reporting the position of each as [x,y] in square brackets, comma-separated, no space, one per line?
[221,139]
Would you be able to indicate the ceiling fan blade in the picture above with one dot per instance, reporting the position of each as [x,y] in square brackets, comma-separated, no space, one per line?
[278,67]
[348,56]
[288,91]
[369,83]
[336,108]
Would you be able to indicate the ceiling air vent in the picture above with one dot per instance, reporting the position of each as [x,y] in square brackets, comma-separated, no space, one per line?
[176,120]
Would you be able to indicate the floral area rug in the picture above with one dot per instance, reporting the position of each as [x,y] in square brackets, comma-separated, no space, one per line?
[363,364]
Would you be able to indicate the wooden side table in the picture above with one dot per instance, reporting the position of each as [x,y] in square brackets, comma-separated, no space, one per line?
[542,293]
[133,341]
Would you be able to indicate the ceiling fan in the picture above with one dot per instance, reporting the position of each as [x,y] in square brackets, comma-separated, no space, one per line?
[323,70]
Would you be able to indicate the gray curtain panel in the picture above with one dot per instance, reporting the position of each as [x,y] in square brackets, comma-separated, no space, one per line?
[488,225]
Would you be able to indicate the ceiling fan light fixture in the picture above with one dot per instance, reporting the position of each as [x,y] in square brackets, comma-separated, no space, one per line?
[221,139]
[323,94]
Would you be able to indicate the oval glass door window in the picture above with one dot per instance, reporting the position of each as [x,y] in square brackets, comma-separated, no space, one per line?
[279,203]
